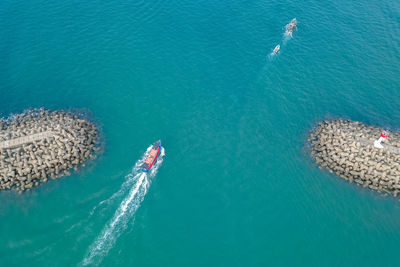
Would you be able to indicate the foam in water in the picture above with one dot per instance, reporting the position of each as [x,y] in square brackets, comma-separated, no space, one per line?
[135,188]
[272,55]
[286,38]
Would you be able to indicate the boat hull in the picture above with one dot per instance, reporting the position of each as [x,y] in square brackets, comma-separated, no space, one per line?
[147,167]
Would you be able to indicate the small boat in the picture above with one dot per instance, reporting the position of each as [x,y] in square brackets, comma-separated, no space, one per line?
[291,26]
[276,49]
[152,156]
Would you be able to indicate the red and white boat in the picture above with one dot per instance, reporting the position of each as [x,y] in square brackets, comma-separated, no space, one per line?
[291,26]
[152,156]
[276,49]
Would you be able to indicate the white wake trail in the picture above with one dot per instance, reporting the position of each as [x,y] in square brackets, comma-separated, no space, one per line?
[130,180]
[126,210]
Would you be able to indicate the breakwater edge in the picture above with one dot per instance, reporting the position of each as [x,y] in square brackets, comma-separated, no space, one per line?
[40,144]
[366,155]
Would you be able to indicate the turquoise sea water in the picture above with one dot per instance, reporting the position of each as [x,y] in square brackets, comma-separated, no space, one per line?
[237,186]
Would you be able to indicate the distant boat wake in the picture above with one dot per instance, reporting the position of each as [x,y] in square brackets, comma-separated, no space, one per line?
[135,188]
[285,38]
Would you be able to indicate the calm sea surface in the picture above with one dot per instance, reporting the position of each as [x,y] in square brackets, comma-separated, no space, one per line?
[236,186]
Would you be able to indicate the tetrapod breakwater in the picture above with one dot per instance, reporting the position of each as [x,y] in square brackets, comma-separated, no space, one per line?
[39,144]
[366,155]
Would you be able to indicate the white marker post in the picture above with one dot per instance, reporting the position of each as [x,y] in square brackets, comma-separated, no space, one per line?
[383,137]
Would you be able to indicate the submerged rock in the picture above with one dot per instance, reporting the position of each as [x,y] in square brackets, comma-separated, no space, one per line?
[350,150]
[39,144]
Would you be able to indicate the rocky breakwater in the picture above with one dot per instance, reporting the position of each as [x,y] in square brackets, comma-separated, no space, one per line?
[359,153]
[38,144]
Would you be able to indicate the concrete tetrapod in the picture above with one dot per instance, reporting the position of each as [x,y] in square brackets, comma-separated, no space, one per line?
[38,144]
[347,149]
